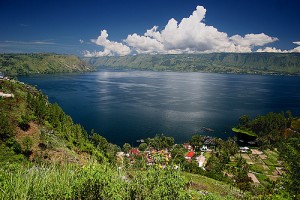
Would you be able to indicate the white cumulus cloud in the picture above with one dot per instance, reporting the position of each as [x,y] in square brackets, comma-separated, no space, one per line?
[272,50]
[190,35]
[298,43]
[297,49]
[111,48]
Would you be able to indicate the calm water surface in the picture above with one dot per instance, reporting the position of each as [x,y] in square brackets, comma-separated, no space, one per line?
[124,106]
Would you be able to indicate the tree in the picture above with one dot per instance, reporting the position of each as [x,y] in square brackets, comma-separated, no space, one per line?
[126,147]
[241,174]
[6,130]
[244,120]
[24,122]
[161,141]
[290,152]
[289,118]
[27,142]
[99,141]
[143,146]
[196,140]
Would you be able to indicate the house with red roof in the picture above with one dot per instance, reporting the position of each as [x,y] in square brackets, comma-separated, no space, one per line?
[189,155]
[134,151]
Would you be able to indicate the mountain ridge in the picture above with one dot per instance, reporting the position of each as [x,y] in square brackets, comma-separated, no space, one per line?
[248,63]
[41,63]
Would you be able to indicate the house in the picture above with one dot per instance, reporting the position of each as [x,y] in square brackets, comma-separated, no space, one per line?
[3,95]
[187,146]
[204,148]
[189,155]
[200,159]
[244,149]
[134,151]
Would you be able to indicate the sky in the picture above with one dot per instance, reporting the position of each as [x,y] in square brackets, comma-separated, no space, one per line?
[128,27]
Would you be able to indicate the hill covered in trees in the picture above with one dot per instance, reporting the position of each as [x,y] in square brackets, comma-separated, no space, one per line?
[41,63]
[45,155]
[261,63]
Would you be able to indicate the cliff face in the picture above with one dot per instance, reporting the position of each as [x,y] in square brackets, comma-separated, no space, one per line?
[26,64]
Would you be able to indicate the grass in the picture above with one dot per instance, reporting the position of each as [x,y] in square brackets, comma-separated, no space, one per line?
[246,132]
[37,183]
[262,178]
[257,168]
[269,163]
[219,189]
[272,157]
[207,155]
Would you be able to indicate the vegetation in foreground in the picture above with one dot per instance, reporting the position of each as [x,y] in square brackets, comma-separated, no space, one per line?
[44,155]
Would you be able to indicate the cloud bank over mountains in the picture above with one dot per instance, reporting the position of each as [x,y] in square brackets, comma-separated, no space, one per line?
[190,35]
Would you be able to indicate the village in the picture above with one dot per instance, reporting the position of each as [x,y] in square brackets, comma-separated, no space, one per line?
[264,166]
[2,94]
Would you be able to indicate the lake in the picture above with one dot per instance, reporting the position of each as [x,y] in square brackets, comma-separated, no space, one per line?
[125,106]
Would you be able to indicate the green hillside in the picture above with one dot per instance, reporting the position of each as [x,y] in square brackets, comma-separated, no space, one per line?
[262,63]
[45,155]
[25,64]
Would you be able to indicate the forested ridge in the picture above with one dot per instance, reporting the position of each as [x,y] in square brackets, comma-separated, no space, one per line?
[260,63]
[41,63]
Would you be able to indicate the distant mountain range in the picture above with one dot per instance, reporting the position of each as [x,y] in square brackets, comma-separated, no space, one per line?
[253,63]
[41,63]
[247,63]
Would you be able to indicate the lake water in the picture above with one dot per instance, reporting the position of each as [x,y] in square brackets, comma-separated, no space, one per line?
[124,106]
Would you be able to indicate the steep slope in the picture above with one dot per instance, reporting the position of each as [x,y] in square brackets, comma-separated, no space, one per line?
[25,64]
[32,127]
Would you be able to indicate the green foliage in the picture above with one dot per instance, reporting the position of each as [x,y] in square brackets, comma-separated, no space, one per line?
[126,147]
[30,105]
[244,131]
[14,145]
[178,153]
[241,174]
[143,146]
[160,142]
[6,129]
[196,140]
[158,184]
[99,141]
[92,181]
[27,143]
[24,122]
[268,129]
[290,152]
[215,165]
[99,182]
[270,63]
[26,64]
[9,155]
[244,120]
[37,183]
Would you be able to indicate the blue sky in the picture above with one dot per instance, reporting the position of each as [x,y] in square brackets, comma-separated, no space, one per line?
[74,27]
